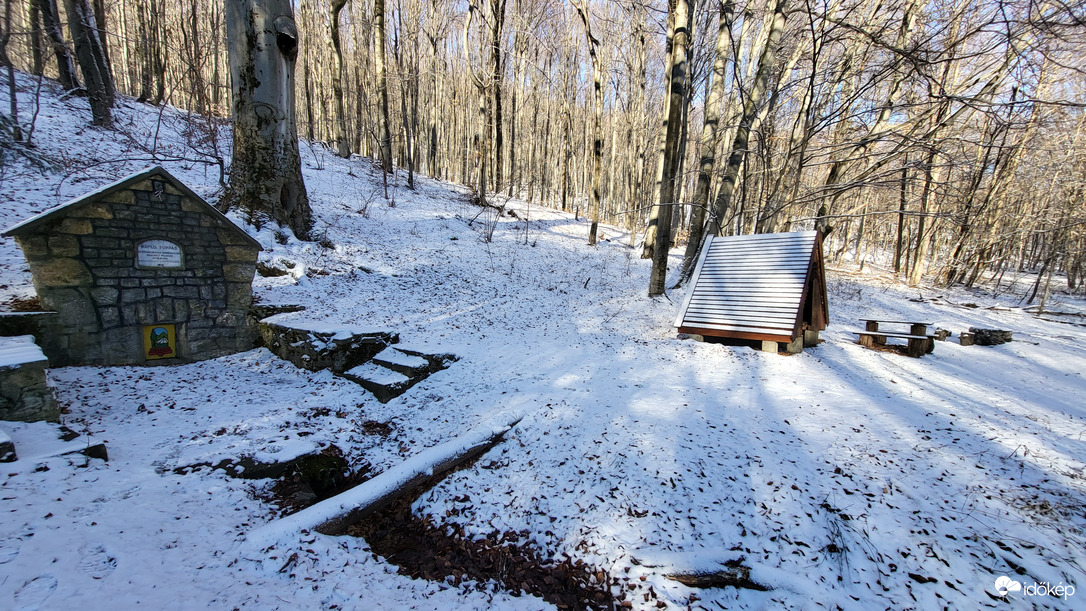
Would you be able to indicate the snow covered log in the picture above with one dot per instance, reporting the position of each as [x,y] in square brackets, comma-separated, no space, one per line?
[736,576]
[333,516]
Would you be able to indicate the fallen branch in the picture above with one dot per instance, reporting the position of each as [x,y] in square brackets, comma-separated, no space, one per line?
[737,576]
[333,516]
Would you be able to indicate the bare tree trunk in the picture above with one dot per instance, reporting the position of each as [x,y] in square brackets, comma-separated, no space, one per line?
[683,11]
[37,39]
[652,230]
[710,139]
[343,144]
[901,218]
[921,250]
[50,17]
[483,136]
[750,108]
[144,53]
[158,26]
[597,127]
[5,61]
[92,61]
[497,16]
[266,176]
[384,136]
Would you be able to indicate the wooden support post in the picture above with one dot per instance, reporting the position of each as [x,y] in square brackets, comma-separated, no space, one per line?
[918,347]
[873,326]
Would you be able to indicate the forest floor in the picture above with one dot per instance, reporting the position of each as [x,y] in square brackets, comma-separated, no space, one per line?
[840,478]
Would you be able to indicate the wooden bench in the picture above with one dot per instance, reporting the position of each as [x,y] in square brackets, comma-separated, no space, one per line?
[918,345]
[915,328]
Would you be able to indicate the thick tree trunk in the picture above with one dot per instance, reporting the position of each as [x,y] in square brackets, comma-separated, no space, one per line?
[37,39]
[266,176]
[651,231]
[92,61]
[144,54]
[497,16]
[50,18]
[482,137]
[158,27]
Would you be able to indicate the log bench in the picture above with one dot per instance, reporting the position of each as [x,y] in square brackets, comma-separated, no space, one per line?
[918,345]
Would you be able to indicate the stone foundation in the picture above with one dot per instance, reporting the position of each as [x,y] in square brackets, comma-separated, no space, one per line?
[24,393]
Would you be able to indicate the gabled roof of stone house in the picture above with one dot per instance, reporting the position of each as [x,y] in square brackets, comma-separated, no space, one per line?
[64,209]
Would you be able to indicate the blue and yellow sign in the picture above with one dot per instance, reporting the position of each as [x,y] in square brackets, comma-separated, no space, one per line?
[159,342]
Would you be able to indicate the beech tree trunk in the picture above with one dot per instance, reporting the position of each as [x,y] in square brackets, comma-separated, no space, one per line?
[738,150]
[92,60]
[266,176]
[343,144]
[679,68]
[597,121]
[710,139]
[384,136]
[5,62]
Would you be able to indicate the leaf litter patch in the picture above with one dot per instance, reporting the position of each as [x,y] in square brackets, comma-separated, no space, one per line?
[442,552]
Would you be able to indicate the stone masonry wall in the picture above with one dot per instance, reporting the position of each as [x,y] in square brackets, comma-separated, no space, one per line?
[84,268]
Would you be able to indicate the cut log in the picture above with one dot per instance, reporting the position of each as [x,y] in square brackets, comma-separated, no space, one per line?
[990,337]
[736,575]
[333,516]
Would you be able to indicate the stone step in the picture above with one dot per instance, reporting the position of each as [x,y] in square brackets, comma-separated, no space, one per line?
[395,370]
[385,384]
[410,365]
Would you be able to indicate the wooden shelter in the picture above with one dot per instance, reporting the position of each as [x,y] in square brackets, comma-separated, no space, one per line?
[768,287]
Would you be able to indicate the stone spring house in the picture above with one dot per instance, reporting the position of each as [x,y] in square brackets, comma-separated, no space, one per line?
[139,272]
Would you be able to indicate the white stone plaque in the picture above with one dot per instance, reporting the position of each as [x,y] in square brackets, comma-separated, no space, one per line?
[158,253]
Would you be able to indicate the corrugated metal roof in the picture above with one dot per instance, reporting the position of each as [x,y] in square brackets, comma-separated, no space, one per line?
[750,284]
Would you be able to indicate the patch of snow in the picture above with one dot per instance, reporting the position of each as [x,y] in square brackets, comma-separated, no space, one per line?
[19,350]
[377,374]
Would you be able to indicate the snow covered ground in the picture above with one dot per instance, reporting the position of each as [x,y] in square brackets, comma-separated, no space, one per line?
[843,477]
